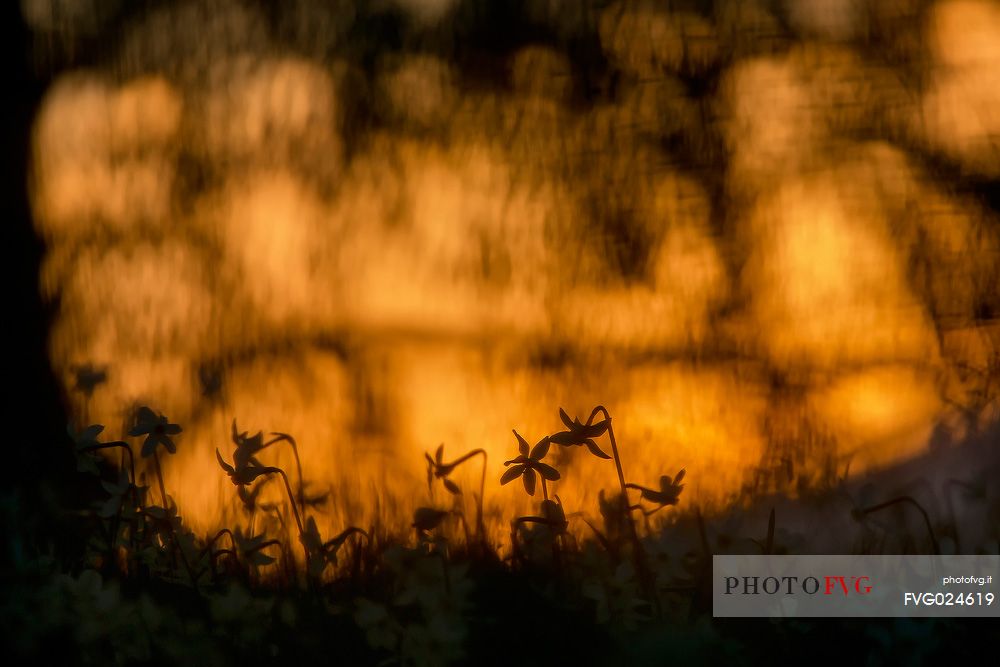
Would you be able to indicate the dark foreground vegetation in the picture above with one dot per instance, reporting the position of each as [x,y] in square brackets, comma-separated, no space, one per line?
[118,578]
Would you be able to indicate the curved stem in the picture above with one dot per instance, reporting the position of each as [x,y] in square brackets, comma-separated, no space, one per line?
[212,554]
[465,457]
[534,519]
[645,576]
[264,545]
[291,499]
[298,463]
[482,483]
[645,512]
[351,530]
[223,552]
[909,500]
[120,444]
[224,531]
[109,445]
[614,445]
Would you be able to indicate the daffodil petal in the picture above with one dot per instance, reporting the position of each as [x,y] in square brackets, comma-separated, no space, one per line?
[529,481]
[511,474]
[522,445]
[539,451]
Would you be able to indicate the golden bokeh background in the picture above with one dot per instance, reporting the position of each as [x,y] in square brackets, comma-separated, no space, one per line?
[779,268]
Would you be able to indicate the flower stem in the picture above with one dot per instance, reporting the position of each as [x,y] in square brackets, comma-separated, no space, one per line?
[350,530]
[645,576]
[614,446]
[109,445]
[115,524]
[279,437]
[159,477]
[291,499]
[480,528]
[213,554]
[211,543]
[223,552]
[119,444]
[264,545]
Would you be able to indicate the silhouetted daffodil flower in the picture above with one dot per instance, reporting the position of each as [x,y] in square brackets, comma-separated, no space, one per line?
[250,546]
[323,553]
[247,446]
[437,468]
[242,475]
[553,513]
[529,461]
[580,434]
[246,468]
[669,493]
[157,430]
